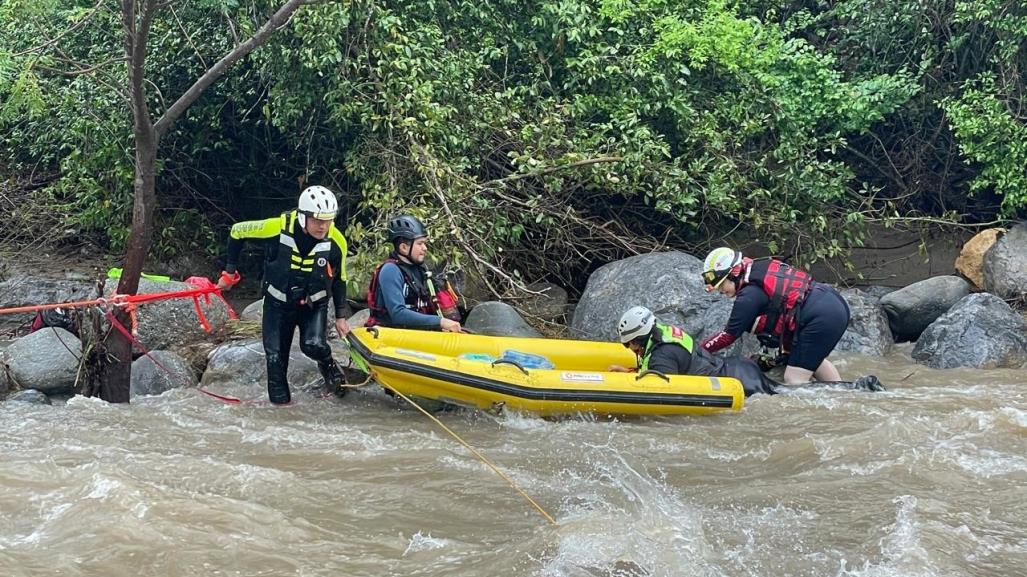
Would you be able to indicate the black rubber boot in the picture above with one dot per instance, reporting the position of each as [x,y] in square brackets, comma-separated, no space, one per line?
[333,377]
[277,385]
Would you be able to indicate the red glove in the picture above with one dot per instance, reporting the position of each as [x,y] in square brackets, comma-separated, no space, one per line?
[231,279]
[717,342]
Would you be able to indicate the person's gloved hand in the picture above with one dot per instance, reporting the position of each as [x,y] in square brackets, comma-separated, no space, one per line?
[767,361]
[228,280]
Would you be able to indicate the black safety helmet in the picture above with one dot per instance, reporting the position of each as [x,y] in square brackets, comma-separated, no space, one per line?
[406,227]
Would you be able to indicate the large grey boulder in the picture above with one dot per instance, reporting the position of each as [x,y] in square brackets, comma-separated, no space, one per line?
[667,283]
[868,332]
[550,302]
[149,378]
[168,323]
[20,289]
[980,331]
[46,360]
[244,363]
[1005,265]
[912,308]
[498,319]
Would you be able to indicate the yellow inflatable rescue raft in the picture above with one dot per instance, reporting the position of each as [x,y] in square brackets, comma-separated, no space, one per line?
[542,376]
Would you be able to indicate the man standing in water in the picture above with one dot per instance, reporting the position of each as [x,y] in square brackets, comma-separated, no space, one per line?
[402,293]
[305,263]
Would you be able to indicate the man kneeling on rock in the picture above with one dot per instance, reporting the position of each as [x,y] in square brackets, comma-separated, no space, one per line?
[305,263]
[670,350]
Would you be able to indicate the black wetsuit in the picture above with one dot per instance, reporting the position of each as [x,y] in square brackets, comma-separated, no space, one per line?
[295,297]
[674,359]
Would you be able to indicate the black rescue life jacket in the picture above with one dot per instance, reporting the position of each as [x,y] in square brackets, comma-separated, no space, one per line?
[416,293]
[292,277]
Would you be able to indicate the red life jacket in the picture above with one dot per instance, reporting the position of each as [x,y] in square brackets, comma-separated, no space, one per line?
[415,292]
[787,288]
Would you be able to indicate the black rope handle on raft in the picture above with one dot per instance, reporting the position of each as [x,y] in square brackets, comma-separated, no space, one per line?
[509,362]
[650,372]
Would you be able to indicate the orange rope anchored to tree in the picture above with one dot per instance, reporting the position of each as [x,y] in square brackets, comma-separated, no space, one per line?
[203,288]
[129,301]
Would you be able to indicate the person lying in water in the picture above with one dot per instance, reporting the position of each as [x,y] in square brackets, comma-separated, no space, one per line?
[670,350]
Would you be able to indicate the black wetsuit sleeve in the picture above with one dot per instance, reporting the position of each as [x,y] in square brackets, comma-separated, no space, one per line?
[670,359]
[232,254]
[339,290]
[749,303]
[264,232]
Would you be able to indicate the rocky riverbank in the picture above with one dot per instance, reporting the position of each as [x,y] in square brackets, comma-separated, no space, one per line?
[955,321]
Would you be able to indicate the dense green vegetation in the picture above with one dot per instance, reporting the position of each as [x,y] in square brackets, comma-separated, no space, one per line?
[537,138]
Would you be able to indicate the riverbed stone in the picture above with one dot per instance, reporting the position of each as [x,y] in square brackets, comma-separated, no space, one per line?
[912,308]
[45,360]
[979,331]
[877,292]
[549,304]
[31,396]
[359,318]
[667,283]
[1005,265]
[498,319]
[868,332]
[243,362]
[149,378]
[970,262]
[169,323]
[253,311]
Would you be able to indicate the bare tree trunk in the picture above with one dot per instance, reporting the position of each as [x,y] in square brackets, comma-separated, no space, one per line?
[117,378]
[137,15]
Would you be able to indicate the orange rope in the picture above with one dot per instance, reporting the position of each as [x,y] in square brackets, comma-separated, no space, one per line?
[116,300]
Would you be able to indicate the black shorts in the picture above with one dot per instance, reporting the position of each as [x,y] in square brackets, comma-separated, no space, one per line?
[821,322]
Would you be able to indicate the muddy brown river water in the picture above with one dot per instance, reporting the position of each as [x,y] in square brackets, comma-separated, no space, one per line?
[927,479]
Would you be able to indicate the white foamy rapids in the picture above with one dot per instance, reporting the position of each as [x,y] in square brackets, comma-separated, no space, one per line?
[903,555]
[618,519]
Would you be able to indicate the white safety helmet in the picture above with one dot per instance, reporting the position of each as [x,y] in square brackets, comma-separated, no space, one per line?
[318,202]
[635,322]
[720,264]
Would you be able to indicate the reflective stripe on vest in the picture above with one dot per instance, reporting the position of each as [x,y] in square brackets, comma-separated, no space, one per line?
[664,334]
[313,267]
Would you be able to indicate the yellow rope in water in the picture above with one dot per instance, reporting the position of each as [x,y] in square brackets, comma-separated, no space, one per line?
[476,454]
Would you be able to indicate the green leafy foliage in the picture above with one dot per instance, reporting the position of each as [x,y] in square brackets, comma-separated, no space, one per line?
[537,139]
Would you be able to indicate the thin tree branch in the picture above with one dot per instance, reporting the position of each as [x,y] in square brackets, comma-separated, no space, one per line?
[188,38]
[58,38]
[81,71]
[277,20]
[553,169]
